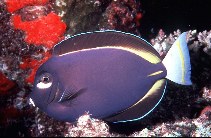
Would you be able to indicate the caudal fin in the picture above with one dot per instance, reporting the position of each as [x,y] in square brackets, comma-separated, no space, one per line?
[177,62]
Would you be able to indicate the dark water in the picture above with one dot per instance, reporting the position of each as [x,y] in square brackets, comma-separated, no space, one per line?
[171,15]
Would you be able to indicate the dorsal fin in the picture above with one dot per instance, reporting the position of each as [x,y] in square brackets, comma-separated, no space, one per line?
[109,38]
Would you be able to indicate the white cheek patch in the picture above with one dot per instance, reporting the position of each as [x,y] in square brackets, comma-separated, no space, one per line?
[42,85]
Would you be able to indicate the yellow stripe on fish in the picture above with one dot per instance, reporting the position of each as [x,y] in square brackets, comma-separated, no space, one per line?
[182,60]
[147,55]
[155,73]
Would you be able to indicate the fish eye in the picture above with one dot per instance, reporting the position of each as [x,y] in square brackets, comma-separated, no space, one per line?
[45,81]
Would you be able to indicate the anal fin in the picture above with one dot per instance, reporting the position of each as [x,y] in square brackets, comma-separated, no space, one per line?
[143,107]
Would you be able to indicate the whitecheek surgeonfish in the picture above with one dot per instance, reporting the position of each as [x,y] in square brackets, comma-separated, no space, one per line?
[115,76]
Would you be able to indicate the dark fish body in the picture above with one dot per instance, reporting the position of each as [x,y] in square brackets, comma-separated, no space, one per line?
[112,75]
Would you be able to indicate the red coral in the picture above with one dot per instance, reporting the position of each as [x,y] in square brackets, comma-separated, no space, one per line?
[33,64]
[206,110]
[9,113]
[5,84]
[28,63]
[13,5]
[138,18]
[123,15]
[46,30]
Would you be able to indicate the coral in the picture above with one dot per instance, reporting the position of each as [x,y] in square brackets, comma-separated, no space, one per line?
[31,13]
[199,46]
[86,20]
[41,28]
[45,126]
[19,61]
[84,127]
[206,94]
[205,39]
[162,42]
[124,15]
[13,5]
[199,127]
[203,123]
[5,84]
[12,48]
[33,65]
[46,30]
[138,18]
[61,7]
[88,127]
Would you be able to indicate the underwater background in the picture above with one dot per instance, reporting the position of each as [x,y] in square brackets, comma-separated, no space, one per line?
[30,28]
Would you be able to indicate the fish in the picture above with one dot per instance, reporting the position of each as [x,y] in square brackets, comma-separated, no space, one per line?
[114,76]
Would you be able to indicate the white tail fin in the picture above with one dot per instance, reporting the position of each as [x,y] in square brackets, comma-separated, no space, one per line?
[177,62]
